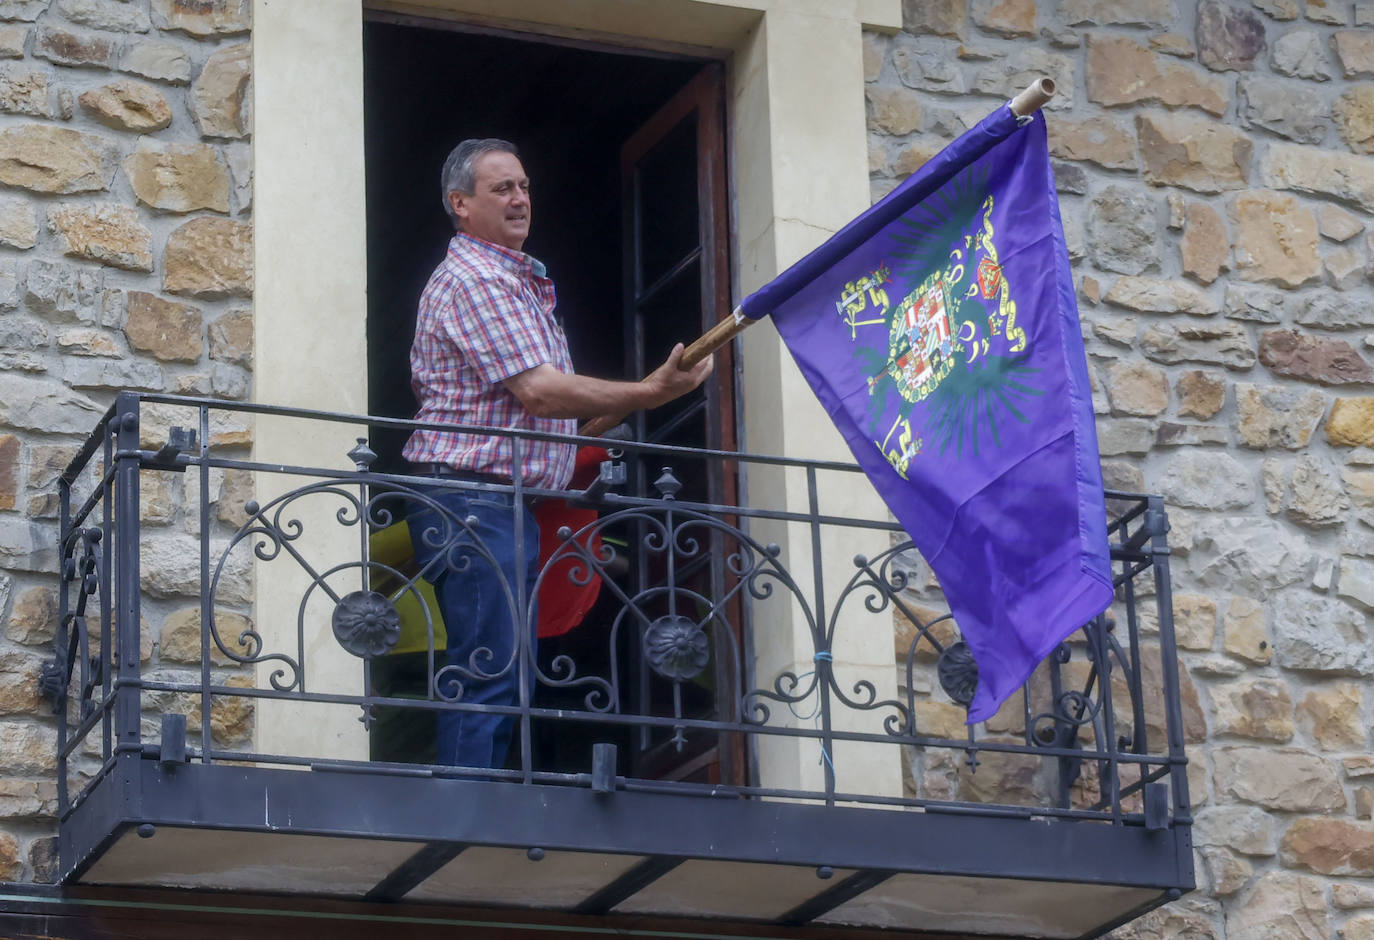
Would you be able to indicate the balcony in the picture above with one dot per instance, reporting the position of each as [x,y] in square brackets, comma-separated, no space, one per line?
[753,724]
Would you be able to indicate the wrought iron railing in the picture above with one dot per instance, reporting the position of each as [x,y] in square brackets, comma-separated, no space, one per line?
[729,651]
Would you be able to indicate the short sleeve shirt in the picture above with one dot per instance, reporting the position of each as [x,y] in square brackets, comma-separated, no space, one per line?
[486,315]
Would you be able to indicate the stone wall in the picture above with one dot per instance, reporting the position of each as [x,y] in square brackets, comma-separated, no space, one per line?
[125,262]
[1213,161]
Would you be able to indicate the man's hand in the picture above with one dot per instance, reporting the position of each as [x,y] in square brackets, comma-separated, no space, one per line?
[671,380]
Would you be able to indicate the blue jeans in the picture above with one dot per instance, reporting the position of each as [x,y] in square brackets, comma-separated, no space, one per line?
[477,597]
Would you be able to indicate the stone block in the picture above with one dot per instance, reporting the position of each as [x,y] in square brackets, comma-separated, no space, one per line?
[1321,635]
[171,568]
[26,10]
[1160,295]
[909,641]
[1316,496]
[27,747]
[1195,153]
[1002,778]
[1193,918]
[1253,708]
[875,51]
[1330,715]
[1156,13]
[1346,897]
[1121,436]
[1121,71]
[75,48]
[1364,808]
[27,799]
[87,342]
[893,111]
[1275,238]
[924,62]
[1206,246]
[157,504]
[1285,779]
[1256,557]
[160,61]
[1351,423]
[1357,582]
[1313,358]
[1354,113]
[181,637]
[1006,77]
[108,233]
[240,161]
[1207,480]
[1329,847]
[169,330]
[1226,872]
[44,405]
[1229,38]
[221,97]
[1326,311]
[113,375]
[1284,108]
[210,258]
[1137,388]
[50,159]
[1123,231]
[1280,905]
[178,177]
[1094,140]
[1320,172]
[231,338]
[204,18]
[24,91]
[227,429]
[1300,53]
[1248,830]
[19,683]
[1173,44]
[10,458]
[1195,621]
[1269,416]
[127,106]
[113,15]
[33,618]
[12,40]
[1007,18]
[1337,224]
[1200,394]
[1355,51]
[1255,304]
[941,17]
[1223,344]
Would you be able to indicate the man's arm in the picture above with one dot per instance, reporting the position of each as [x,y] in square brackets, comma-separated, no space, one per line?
[548,393]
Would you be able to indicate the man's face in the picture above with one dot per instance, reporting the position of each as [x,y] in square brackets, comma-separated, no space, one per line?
[498,209]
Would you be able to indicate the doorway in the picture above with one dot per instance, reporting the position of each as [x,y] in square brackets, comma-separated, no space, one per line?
[612,141]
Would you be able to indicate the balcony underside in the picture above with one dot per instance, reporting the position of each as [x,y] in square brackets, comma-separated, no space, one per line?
[385,838]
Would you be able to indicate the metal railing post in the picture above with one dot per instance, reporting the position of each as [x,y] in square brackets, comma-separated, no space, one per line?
[127,613]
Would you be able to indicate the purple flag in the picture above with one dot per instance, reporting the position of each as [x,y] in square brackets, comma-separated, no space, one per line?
[940,332]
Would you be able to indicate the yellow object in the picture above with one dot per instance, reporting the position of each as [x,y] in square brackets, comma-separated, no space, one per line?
[392,547]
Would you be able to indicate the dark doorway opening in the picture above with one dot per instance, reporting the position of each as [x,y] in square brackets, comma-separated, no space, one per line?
[619,161]
[568,109]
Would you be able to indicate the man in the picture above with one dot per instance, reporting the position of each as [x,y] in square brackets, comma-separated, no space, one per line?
[488,352]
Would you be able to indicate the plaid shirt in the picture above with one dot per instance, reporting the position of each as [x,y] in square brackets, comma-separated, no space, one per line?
[486,315]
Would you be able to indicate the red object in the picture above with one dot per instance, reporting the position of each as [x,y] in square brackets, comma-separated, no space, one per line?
[563,602]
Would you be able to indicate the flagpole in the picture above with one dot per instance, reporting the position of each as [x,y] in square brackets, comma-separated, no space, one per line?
[1029,100]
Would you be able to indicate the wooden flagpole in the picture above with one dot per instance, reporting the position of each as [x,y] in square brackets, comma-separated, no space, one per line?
[1028,101]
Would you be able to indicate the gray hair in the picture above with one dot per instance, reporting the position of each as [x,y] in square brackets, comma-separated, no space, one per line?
[460,173]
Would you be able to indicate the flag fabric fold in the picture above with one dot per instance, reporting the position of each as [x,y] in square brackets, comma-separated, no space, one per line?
[939,331]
